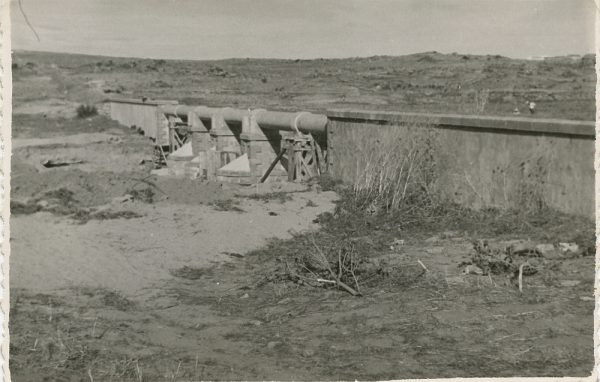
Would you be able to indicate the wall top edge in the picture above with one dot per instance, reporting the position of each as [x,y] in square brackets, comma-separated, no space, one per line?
[140,101]
[539,125]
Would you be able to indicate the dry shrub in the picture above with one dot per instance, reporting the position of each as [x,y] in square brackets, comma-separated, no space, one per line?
[86,111]
[531,189]
[400,170]
[481,100]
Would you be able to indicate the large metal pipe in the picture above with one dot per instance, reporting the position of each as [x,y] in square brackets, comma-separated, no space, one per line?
[303,121]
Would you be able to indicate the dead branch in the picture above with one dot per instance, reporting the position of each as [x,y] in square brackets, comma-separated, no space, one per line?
[325,263]
[521,275]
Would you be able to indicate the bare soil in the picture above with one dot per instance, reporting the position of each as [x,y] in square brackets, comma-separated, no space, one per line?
[187,280]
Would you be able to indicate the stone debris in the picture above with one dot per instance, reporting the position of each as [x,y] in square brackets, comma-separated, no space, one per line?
[396,243]
[473,270]
[548,251]
[568,247]
[522,247]
[43,204]
[435,250]
[432,239]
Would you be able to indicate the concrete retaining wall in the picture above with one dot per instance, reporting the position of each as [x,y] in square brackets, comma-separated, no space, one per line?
[142,115]
[479,161]
[482,161]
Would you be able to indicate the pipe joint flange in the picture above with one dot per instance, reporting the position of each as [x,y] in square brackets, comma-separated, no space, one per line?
[294,124]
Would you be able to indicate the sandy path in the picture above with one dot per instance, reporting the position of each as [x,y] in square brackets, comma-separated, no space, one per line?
[50,252]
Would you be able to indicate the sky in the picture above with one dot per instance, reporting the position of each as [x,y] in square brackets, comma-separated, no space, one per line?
[214,29]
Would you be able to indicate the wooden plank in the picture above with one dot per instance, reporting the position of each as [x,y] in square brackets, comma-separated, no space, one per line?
[291,160]
[272,166]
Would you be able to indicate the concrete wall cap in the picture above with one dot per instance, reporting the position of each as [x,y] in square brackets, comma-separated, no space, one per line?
[536,125]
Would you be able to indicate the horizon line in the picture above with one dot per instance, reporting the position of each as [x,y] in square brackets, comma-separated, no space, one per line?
[529,58]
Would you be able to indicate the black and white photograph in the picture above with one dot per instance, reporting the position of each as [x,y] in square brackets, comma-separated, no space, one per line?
[301,189]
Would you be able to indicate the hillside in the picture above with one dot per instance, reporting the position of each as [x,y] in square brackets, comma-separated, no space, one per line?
[562,87]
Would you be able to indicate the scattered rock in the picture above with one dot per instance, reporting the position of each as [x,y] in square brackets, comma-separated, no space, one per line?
[586,298]
[42,203]
[450,234]
[308,353]
[473,270]
[255,322]
[432,239]
[521,248]
[273,344]
[284,301]
[396,243]
[544,248]
[246,295]
[568,247]
[435,250]
[548,251]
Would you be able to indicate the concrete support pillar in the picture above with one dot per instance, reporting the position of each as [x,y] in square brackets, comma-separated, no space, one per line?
[262,147]
[223,136]
[200,135]
[224,146]
[201,145]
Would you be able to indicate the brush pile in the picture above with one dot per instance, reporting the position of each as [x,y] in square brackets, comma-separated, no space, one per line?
[349,264]
[487,259]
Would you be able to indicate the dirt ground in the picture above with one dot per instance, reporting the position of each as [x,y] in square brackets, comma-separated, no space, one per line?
[120,275]
[177,292]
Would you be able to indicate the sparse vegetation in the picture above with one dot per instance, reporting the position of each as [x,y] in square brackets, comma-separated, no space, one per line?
[399,171]
[145,194]
[62,202]
[227,205]
[279,196]
[86,111]
[191,273]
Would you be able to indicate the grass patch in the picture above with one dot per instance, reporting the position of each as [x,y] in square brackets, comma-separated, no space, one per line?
[327,183]
[279,196]
[83,215]
[227,205]
[117,300]
[191,273]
